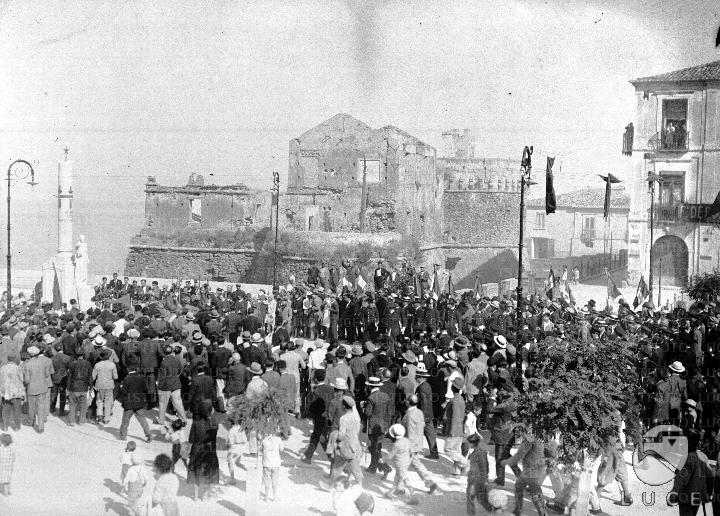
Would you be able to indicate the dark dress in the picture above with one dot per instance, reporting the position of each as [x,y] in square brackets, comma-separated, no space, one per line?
[203,467]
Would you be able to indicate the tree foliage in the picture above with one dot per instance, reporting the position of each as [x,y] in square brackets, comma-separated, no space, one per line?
[575,391]
[705,287]
[263,414]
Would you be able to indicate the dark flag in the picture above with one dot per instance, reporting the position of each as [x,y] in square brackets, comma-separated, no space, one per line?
[550,284]
[451,289]
[57,296]
[613,292]
[609,179]
[550,203]
[642,293]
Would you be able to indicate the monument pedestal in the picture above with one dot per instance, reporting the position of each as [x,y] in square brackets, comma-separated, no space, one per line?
[72,286]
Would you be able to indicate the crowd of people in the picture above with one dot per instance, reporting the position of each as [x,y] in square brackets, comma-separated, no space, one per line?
[380,369]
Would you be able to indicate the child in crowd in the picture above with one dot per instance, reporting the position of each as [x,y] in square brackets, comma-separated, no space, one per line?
[237,441]
[134,485]
[127,459]
[351,500]
[270,448]
[400,457]
[7,462]
[477,474]
[177,438]
[497,501]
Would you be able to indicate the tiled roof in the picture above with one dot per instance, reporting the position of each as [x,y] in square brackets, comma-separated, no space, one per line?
[704,72]
[589,198]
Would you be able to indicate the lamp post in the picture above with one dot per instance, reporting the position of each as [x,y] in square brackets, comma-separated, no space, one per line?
[276,201]
[525,169]
[18,170]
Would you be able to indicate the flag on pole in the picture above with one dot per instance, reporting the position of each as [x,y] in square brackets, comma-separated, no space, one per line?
[550,202]
[436,283]
[613,292]
[450,284]
[418,284]
[550,284]
[361,282]
[609,180]
[57,296]
[642,293]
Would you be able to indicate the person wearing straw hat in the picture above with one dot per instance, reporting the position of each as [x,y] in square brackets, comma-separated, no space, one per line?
[378,413]
[426,398]
[677,389]
[37,376]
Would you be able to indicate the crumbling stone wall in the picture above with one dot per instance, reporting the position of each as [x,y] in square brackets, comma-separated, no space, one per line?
[231,265]
[482,218]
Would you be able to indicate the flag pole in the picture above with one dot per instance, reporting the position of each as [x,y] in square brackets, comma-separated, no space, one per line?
[659,282]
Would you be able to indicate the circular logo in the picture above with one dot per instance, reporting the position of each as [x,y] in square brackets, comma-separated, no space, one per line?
[662,450]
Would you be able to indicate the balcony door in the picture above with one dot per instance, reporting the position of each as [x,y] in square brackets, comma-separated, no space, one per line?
[675,126]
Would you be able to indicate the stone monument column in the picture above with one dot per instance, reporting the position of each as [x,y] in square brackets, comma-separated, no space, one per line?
[71,271]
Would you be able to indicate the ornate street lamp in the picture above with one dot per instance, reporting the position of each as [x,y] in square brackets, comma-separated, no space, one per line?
[17,171]
[525,169]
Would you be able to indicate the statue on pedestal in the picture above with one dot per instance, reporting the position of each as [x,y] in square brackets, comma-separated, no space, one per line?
[81,261]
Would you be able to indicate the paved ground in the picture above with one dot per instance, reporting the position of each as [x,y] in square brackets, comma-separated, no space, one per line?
[75,471]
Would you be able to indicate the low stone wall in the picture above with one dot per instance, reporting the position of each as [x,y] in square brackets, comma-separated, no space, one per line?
[230,265]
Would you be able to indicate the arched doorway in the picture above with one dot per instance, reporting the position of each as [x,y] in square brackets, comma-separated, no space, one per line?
[670,261]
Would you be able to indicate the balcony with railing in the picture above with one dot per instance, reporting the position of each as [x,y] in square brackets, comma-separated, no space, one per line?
[669,141]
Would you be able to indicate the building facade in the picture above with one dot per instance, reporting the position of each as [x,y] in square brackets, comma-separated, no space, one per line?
[577,228]
[675,177]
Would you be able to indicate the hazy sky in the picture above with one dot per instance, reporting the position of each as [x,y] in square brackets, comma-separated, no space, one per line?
[139,88]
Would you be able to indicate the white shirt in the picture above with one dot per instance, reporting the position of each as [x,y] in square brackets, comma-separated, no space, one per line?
[119,327]
[317,359]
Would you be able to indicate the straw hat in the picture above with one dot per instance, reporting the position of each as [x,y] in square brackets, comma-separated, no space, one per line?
[396,431]
[677,367]
[500,341]
[373,381]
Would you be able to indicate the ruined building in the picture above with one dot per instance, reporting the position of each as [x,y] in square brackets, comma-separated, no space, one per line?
[346,176]
[348,182]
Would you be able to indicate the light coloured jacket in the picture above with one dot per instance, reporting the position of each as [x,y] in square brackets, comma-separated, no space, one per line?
[37,372]
[414,423]
[104,375]
[349,428]
[11,382]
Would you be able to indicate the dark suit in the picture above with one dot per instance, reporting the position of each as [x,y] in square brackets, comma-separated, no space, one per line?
[425,403]
[238,378]
[134,392]
[379,416]
[202,388]
[149,355]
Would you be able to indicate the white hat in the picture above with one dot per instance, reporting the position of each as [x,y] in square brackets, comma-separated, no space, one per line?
[99,341]
[397,430]
[500,341]
[48,339]
[33,351]
[677,367]
[96,330]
